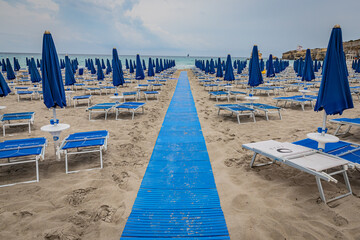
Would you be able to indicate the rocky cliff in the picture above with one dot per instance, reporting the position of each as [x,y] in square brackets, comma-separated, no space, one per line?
[351,47]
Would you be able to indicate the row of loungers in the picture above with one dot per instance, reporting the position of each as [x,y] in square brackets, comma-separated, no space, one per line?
[299,99]
[303,155]
[105,108]
[249,109]
[31,150]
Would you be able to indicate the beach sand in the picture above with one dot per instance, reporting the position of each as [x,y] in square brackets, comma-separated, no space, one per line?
[272,202]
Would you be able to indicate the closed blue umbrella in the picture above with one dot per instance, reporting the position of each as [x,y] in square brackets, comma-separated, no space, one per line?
[334,94]
[139,75]
[3,65]
[38,63]
[16,64]
[108,67]
[103,64]
[157,66]
[9,70]
[144,65]
[212,67]
[127,64]
[239,67]
[100,73]
[34,73]
[308,71]
[69,73]
[161,65]
[270,68]
[4,88]
[131,67]
[262,65]
[151,68]
[315,66]
[118,77]
[255,77]
[92,67]
[235,64]
[207,67]
[219,71]
[52,84]
[229,72]
[300,68]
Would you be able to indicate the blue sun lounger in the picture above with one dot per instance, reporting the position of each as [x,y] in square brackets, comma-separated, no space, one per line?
[84,142]
[319,164]
[131,107]
[21,151]
[345,121]
[219,94]
[28,94]
[346,150]
[267,109]
[236,94]
[102,108]
[154,94]
[302,100]
[17,119]
[82,98]
[237,109]
[133,95]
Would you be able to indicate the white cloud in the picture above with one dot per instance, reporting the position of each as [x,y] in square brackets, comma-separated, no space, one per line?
[44,4]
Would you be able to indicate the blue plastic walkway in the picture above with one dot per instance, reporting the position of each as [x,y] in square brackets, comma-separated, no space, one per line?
[178,197]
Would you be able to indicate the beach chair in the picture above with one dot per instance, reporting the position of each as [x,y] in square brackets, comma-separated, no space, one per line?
[267,109]
[345,122]
[131,95]
[101,108]
[93,90]
[108,89]
[79,86]
[319,164]
[301,100]
[24,94]
[154,94]
[131,107]
[345,150]
[237,109]
[211,87]
[82,98]
[219,94]
[84,142]
[17,119]
[156,86]
[236,94]
[22,151]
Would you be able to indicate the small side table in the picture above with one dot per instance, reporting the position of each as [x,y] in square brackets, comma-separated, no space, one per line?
[55,130]
[322,139]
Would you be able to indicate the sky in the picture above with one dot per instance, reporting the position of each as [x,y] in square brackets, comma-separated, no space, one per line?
[175,27]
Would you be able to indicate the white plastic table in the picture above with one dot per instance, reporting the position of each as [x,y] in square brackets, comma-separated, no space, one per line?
[322,139]
[55,130]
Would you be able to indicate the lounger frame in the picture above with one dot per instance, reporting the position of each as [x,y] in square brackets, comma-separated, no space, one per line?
[8,123]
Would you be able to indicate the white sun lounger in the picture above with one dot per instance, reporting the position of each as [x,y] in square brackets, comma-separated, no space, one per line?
[219,94]
[267,109]
[23,151]
[17,119]
[84,142]
[102,108]
[345,122]
[316,163]
[82,98]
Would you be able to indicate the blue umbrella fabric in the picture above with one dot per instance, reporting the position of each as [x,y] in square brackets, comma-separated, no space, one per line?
[103,64]
[108,67]
[3,65]
[118,78]
[52,84]
[151,72]
[212,67]
[308,72]
[9,70]
[100,73]
[334,95]
[144,65]
[219,71]
[255,77]
[127,64]
[315,66]
[229,72]
[270,68]
[139,75]
[69,73]
[34,73]
[16,64]
[4,88]
[131,67]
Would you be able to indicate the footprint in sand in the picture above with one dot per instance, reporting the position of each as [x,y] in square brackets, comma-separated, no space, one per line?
[78,196]
[104,213]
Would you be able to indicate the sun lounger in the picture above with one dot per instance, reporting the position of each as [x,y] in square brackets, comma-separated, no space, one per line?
[236,94]
[237,109]
[321,165]
[346,150]
[84,142]
[131,107]
[79,86]
[27,94]
[22,151]
[93,90]
[154,94]
[345,121]
[108,89]
[102,108]
[17,119]
[211,86]
[219,94]
[302,100]
[156,86]
[267,90]
[82,98]
[267,109]
[132,95]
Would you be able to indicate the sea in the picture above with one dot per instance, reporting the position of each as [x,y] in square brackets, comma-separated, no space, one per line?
[182,62]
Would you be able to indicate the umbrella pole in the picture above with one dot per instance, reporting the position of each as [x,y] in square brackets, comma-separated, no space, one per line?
[324,124]
[54,114]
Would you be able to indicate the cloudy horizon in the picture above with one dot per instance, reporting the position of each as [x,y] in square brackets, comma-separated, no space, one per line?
[174,28]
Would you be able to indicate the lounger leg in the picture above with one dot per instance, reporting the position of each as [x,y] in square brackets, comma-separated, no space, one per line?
[302,106]
[4,130]
[338,129]
[29,127]
[280,114]
[321,190]
[238,117]
[37,170]
[133,113]
[101,159]
[253,160]
[267,117]
[66,163]
[253,115]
